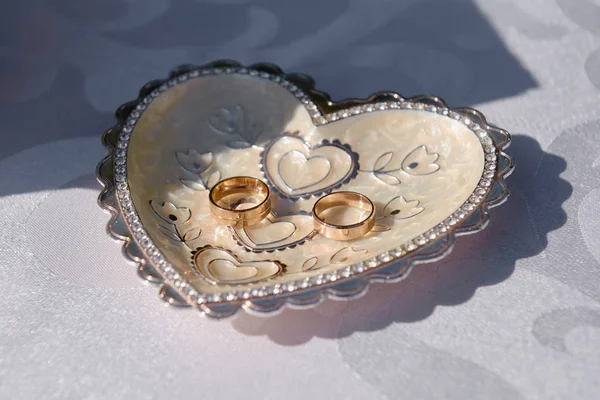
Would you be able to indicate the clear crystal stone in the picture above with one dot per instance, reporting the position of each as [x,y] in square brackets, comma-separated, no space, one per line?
[410,246]
[358,268]
[421,241]
[459,214]
[371,263]
[385,257]
[396,253]
[230,296]
[475,199]
[212,298]
[317,280]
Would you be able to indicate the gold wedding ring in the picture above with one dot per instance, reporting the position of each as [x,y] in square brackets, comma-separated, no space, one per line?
[344,231]
[240,201]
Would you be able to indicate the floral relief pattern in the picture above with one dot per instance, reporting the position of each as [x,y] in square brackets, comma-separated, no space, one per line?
[235,123]
[199,171]
[418,162]
[172,220]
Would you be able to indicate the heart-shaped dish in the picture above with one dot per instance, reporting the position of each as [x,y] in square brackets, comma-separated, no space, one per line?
[432,172]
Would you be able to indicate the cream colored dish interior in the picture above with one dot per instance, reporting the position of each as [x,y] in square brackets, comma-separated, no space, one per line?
[417,167]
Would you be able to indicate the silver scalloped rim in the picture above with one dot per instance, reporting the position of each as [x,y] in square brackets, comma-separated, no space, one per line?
[348,282]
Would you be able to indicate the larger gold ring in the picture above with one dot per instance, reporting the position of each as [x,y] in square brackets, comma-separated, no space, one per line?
[228,200]
[344,231]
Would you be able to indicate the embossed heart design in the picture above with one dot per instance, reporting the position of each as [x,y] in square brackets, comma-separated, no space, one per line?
[220,266]
[299,172]
[275,232]
[226,271]
[270,232]
[296,170]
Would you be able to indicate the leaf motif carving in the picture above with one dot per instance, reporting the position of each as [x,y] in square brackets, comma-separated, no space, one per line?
[387,178]
[192,234]
[195,185]
[383,161]
[168,233]
[309,264]
[213,179]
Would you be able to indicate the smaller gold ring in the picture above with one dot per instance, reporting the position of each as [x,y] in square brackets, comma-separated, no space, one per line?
[226,197]
[349,231]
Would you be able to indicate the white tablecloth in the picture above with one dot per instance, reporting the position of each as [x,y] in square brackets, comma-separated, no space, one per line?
[513,312]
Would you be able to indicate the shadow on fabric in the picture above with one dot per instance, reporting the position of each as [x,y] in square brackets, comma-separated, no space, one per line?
[484,259]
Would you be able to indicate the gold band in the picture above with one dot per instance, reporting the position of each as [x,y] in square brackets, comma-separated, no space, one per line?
[346,199]
[226,197]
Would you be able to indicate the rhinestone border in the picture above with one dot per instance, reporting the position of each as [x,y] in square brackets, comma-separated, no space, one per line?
[191,295]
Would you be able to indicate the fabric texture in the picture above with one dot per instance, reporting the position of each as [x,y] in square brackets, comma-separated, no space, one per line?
[512,313]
